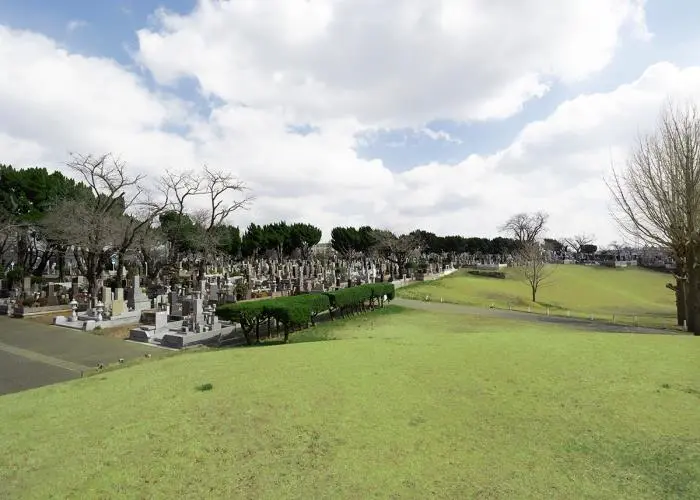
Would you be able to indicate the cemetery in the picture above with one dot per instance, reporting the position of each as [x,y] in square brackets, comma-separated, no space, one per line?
[295,249]
[357,342]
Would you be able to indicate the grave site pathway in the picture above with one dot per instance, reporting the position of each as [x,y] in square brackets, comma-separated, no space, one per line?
[33,354]
[597,326]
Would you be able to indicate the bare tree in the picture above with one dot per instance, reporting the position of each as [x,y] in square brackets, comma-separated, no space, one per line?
[616,246]
[657,199]
[107,222]
[8,234]
[182,186]
[532,266]
[150,246]
[579,241]
[89,233]
[525,228]
[219,187]
[221,195]
[397,249]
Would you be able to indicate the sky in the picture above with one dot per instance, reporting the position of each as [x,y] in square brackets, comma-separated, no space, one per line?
[442,115]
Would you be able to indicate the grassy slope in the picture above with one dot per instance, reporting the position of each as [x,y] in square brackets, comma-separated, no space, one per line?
[410,404]
[582,290]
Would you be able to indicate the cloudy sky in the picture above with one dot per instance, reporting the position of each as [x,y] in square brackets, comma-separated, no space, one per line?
[444,115]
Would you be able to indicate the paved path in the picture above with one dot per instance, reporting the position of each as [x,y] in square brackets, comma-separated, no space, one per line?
[33,354]
[582,324]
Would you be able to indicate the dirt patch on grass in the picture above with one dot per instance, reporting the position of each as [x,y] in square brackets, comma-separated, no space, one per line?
[44,319]
[118,332]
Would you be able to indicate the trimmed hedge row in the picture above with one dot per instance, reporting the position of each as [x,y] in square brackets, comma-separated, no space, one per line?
[356,298]
[298,311]
[489,274]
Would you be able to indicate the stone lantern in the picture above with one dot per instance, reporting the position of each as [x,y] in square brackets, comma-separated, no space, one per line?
[74,308]
[99,307]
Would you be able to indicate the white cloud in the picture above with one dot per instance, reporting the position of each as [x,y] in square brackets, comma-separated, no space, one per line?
[75,24]
[390,63]
[95,105]
[440,135]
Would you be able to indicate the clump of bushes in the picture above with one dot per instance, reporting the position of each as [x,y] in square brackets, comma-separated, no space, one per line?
[300,311]
[489,274]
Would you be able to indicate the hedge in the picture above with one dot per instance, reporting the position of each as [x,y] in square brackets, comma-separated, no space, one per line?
[489,274]
[298,311]
[355,298]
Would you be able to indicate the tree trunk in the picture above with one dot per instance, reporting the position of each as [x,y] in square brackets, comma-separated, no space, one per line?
[691,293]
[120,267]
[43,261]
[61,263]
[534,293]
[680,301]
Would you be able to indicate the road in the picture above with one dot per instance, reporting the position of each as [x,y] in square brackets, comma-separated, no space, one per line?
[582,324]
[33,354]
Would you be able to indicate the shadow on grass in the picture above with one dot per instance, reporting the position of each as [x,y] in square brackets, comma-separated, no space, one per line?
[146,358]
[323,331]
[667,466]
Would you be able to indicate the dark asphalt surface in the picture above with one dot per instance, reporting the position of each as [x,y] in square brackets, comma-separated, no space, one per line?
[34,355]
[17,373]
[582,324]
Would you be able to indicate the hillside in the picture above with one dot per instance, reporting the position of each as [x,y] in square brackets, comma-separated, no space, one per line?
[576,290]
[408,404]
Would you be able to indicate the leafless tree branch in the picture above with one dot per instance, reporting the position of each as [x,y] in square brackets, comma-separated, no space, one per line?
[656,196]
[532,266]
[525,228]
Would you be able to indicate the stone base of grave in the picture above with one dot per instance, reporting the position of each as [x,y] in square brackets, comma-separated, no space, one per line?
[181,340]
[26,312]
[151,334]
[172,336]
[88,323]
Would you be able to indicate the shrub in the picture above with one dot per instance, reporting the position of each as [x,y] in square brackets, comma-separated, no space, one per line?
[299,310]
[14,276]
[354,298]
[489,274]
[248,314]
[290,312]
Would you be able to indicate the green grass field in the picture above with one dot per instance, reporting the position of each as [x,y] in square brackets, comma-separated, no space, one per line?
[579,291]
[397,404]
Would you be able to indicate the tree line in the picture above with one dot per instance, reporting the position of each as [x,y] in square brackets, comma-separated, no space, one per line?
[110,218]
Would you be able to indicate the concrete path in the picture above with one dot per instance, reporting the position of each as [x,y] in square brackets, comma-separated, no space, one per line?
[582,324]
[33,354]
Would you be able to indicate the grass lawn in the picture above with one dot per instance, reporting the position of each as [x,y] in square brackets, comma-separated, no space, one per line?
[579,291]
[398,404]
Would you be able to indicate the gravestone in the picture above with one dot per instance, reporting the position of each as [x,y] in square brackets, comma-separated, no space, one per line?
[51,297]
[75,289]
[118,304]
[156,319]
[106,297]
[137,300]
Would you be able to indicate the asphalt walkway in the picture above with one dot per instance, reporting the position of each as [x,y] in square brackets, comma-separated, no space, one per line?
[583,324]
[33,354]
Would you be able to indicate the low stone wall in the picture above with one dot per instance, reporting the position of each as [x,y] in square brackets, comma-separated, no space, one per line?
[21,311]
[426,277]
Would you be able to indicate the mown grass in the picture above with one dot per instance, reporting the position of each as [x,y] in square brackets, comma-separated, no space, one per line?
[397,404]
[626,296]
